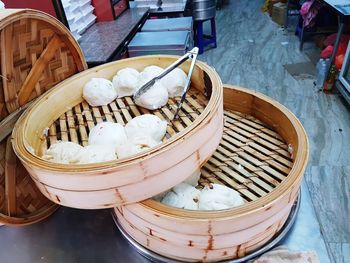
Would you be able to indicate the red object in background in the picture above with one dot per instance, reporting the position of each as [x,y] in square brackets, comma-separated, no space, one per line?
[339,57]
[120,7]
[107,10]
[330,40]
[42,5]
[103,10]
[342,48]
[327,52]
[339,61]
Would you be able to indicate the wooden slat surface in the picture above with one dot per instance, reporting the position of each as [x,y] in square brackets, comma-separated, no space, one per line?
[251,158]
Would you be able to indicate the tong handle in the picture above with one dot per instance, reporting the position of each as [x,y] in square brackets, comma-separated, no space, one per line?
[166,71]
[194,54]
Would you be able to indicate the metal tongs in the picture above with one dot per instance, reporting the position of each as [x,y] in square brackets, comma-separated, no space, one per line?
[192,54]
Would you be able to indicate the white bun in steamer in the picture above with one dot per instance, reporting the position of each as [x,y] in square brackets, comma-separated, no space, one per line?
[145,141]
[146,125]
[63,152]
[107,133]
[99,92]
[126,82]
[182,196]
[149,73]
[175,82]
[217,197]
[137,145]
[96,154]
[157,96]
[154,98]
[128,149]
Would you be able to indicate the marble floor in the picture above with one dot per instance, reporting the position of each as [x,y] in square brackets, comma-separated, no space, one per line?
[252,52]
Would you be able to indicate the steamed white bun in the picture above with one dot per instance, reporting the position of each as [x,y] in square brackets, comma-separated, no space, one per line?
[145,141]
[107,133]
[136,145]
[149,73]
[194,178]
[128,149]
[96,154]
[99,92]
[175,82]
[126,82]
[219,197]
[154,98]
[146,125]
[182,196]
[63,152]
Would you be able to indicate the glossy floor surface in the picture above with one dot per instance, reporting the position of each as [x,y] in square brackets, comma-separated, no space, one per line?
[253,52]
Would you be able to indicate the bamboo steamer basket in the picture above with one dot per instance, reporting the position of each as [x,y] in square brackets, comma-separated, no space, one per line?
[262,155]
[189,142]
[36,52]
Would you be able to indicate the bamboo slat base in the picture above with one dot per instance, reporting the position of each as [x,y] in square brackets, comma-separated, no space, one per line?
[75,124]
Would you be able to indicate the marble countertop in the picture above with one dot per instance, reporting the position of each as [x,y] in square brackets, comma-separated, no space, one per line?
[101,40]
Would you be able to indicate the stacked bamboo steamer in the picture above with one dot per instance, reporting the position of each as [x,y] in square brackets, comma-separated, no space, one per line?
[37,52]
[262,155]
[260,150]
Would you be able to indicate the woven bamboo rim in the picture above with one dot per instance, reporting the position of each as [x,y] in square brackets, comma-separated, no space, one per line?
[37,51]
[263,110]
[63,114]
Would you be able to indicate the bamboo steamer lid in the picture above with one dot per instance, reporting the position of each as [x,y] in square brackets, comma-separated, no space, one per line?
[36,53]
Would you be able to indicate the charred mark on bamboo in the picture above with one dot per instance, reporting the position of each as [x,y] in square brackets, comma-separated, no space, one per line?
[163,239]
[150,232]
[58,199]
[210,240]
[120,209]
[198,157]
[144,170]
[268,228]
[190,243]
[118,195]
[290,195]
[238,250]
[210,243]
[268,208]
[224,253]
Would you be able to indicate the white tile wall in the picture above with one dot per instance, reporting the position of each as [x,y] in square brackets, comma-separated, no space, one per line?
[80,15]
